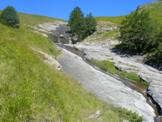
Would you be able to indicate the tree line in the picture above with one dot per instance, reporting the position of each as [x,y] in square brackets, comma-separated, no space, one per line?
[81,26]
[140,35]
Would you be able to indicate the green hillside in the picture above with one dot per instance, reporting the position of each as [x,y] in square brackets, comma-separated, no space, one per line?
[31,90]
[155,10]
[116,20]
[35,19]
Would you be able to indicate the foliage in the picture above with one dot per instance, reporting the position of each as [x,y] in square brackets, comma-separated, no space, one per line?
[135,31]
[130,116]
[9,17]
[76,22]
[89,25]
[155,58]
[81,26]
[141,33]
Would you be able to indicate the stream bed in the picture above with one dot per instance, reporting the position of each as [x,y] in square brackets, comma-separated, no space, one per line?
[104,86]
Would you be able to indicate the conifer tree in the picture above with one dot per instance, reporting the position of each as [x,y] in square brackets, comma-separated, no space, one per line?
[76,22]
[81,26]
[90,25]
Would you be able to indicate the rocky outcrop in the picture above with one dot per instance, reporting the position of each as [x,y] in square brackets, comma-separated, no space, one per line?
[48,59]
[129,64]
[57,31]
[104,86]
[48,28]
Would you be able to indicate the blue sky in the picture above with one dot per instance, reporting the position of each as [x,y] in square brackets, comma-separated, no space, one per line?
[62,8]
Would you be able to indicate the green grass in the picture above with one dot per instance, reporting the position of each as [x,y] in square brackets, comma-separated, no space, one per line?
[31,90]
[29,19]
[155,10]
[102,36]
[111,34]
[110,68]
[116,20]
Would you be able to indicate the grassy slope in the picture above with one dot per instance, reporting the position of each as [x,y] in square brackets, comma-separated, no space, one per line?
[35,19]
[116,20]
[155,10]
[32,91]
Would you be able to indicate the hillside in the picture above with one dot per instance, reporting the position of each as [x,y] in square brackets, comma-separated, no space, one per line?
[107,28]
[35,19]
[116,20]
[155,10]
[31,90]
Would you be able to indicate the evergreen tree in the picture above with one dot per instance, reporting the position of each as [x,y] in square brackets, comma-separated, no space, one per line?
[90,25]
[135,31]
[76,23]
[9,17]
[81,26]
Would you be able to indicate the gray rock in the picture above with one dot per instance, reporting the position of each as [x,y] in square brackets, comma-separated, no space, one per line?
[104,86]
[128,64]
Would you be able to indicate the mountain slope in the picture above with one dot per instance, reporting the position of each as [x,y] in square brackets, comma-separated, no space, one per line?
[108,26]
[116,20]
[35,19]
[31,90]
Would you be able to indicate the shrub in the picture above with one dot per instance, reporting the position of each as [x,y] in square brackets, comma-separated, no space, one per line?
[135,31]
[9,17]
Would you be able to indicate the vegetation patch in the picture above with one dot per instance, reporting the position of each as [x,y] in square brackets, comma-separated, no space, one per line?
[109,67]
[111,34]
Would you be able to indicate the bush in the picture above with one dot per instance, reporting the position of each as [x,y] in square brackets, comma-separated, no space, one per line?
[136,31]
[9,17]
[155,58]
